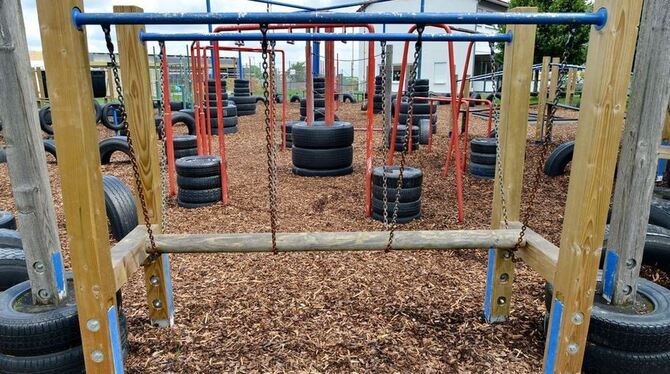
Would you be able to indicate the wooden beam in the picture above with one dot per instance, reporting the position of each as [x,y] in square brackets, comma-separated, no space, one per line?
[540,254]
[603,106]
[139,107]
[336,241]
[129,254]
[40,83]
[570,87]
[666,127]
[637,160]
[542,99]
[66,61]
[512,133]
[554,78]
[26,160]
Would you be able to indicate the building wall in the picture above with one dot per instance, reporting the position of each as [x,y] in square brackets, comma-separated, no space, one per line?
[434,63]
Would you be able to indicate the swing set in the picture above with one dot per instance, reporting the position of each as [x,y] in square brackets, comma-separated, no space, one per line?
[572,269]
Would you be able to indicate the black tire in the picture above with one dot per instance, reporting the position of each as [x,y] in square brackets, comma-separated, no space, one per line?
[246,107]
[50,147]
[295,99]
[3,155]
[627,330]
[230,110]
[186,205]
[7,220]
[69,361]
[198,166]
[482,171]
[12,267]
[419,108]
[190,112]
[559,159]
[10,239]
[320,136]
[318,103]
[422,82]
[241,92]
[401,220]
[184,141]
[227,122]
[211,195]
[107,116]
[46,123]
[483,145]
[120,206]
[602,360]
[323,173]
[412,177]
[406,194]
[45,330]
[483,158]
[243,100]
[199,183]
[349,97]
[424,131]
[659,213]
[408,209]
[180,153]
[416,118]
[321,159]
[657,250]
[111,145]
[186,119]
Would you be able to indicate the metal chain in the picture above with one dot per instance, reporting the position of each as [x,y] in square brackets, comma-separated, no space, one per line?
[385,137]
[410,120]
[535,185]
[496,122]
[270,146]
[273,67]
[133,160]
[163,160]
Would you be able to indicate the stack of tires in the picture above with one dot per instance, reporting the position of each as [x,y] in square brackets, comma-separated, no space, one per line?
[230,119]
[322,151]
[319,101]
[184,146]
[319,87]
[289,133]
[626,339]
[421,112]
[199,181]
[246,104]
[211,91]
[483,158]
[378,98]
[400,138]
[409,207]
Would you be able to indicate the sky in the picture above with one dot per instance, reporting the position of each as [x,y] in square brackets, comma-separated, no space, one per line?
[96,38]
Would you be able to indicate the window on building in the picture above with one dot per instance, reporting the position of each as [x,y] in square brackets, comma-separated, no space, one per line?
[440,73]
[482,65]
[396,72]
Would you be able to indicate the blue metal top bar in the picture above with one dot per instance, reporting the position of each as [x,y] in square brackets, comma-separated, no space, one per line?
[598,18]
[279,3]
[347,5]
[391,37]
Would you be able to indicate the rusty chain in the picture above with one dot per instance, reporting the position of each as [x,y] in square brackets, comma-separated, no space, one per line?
[131,149]
[385,137]
[270,146]
[406,138]
[163,138]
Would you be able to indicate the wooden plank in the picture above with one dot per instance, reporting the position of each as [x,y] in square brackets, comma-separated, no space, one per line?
[542,99]
[26,160]
[40,83]
[637,159]
[137,92]
[66,61]
[664,150]
[570,87]
[33,78]
[129,254]
[513,128]
[666,127]
[608,66]
[336,241]
[554,78]
[540,254]
[388,88]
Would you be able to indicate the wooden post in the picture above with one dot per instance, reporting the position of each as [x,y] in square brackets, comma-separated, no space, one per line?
[388,70]
[137,92]
[609,62]
[66,60]
[554,78]
[570,87]
[26,161]
[637,161]
[33,78]
[40,84]
[512,133]
[111,87]
[666,127]
[542,99]
[466,87]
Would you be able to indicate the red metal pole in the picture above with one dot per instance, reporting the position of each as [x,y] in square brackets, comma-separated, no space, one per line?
[339,83]
[201,107]
[271,97]
[251,83]
[398,101]
[219,118]
[284,99]
[196,99]
[208,125]
[330,82]
[167,123]
[370,133]
[430,126]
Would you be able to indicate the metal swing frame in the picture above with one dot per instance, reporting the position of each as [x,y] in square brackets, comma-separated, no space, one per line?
[572,269]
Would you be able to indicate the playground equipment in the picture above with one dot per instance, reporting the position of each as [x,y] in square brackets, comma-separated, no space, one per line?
[572,270]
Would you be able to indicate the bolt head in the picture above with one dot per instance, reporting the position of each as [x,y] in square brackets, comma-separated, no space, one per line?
[93,325]
[43,294]
[154,280]
[502,300]
[578,318]
[157,304]
[39,267]
[573,348]
[97,356]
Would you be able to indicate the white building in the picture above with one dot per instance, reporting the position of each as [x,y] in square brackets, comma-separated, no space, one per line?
[434,60]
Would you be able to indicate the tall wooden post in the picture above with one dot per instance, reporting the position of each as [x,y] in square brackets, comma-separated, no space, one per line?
[603,107]
[388,70]
[137,93]
[26,161]
[555,62]
[542,99]
[66,60]
[637,161]
[512,133]
[570,87]
[666,127]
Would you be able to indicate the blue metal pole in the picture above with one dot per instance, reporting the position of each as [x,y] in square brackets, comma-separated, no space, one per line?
[316,56]
[208,4]
[420,62]
[393,37]
[347,5]
[240,68]
[280,3]
[598,18]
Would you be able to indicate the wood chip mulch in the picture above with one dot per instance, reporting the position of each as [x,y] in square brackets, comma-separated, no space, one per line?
[341,312]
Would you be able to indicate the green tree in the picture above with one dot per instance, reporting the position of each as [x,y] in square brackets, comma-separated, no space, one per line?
[550,39]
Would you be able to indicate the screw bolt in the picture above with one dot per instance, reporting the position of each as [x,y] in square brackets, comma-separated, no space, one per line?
[631,263]
[157,304]
[573,348]
[504,277]
[502,300]
[39,267]
[93,325]
[154,280]
[97,356]
[43,294]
